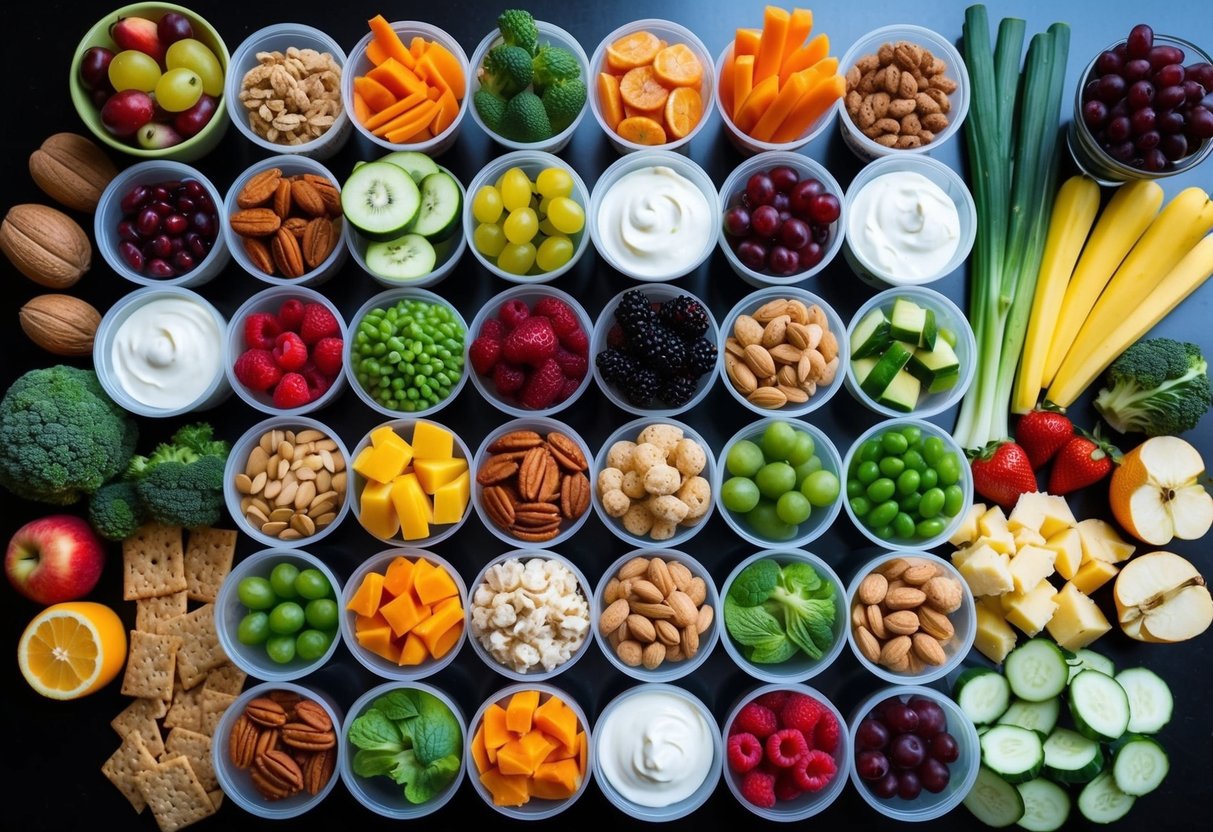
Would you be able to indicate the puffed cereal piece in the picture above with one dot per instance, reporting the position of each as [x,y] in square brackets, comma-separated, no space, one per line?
[638,519]
[662,479]
[696,493]
[663,529]
[646,456]
[668,507]
[689,457]
[633,485]
[610,479]
[663,436]
[620,455]
[615,502]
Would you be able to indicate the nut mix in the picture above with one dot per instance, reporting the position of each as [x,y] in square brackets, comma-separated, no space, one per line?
[533,484]
[653,485]
[293,484]
[781,354]
[656,611]
[292,98]
[288,745]
[289,225]
[900,614]
[898,97]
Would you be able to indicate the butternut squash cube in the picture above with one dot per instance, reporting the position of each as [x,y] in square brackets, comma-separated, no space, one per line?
[364,622]
[480,754]
[525,754]
[403,613]
[521,710]
[431,441]
[495,732]
[379,641]
[365,601]
[447,639]
[398,577]
[506,789]
[432,583]
[547,789]
[558,720]
[430,629]
[413,653]
[563,773]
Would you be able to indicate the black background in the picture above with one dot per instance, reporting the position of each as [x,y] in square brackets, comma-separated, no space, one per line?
[54,751]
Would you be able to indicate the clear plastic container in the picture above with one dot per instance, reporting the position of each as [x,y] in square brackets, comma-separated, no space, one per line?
[238,459]
[641,159]
[672,33]
[807,804]
[801,667]
[253,658]
[385,300]
[666,671]
[543,426]
[733,189]
[532,163]
[937,172]
[630,432]
[964,622]
[947,315]
[963,772]
[672,811]
[548,34]
[820,519]
[290,166]
[540,675]
[754,301]
[536,808]
[238,786]
[657,293]
[868,149]
[748,146]
[404,428]
[965,482]
[374,662]
[109,214]
[280,37]
[530,295]
[381,794]
[360,64]
[214,393]
[447,253]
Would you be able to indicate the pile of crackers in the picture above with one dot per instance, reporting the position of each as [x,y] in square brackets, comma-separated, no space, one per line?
[177,672]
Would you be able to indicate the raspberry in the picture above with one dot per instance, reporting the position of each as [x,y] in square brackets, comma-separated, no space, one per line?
[745,752]
[572,365]
[757,720]
[815,771]
[825,735]
[576,341]
[493,328]
[328,355]
[318,322]
[563,318]
[484,354]
[543,386]
[290,315]
[801,712]
[507,378]
[317,382]
[260,330]
[256,370]
[786,787]
[531,342]
[786,747]
[774,699]
[758,788]
[513,312]
[569,388]
[290,353]
[292,392]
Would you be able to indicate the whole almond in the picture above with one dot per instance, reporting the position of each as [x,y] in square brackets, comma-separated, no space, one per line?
[690,641]
[635,567]
[758,359]
[611,593]
[667,633]
[652,611]
[943,593]
[646,591]
[901,623]
[747,331]
[859,616]
[927,648]
[659,575]
[681,574]
[641,628]
[653,655]
[697,590]
[614,615]
[892,569]
[934,623]
[919,574]
[773,309]
[868,644]
[895,649]
[630,652]
[774,333]
[872,589]
[876,621]
[904,598]
[768,397]
[704,621]
[685,610]
[740,375]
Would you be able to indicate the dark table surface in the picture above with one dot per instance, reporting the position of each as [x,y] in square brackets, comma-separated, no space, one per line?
[55,750]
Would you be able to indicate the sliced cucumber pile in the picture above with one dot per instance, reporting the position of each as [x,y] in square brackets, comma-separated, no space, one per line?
[903,354]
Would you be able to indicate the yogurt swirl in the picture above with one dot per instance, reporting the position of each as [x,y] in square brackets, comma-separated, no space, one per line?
[167,352]
[905,226]
[654,223]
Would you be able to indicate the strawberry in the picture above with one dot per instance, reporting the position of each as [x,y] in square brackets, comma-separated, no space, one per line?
[560,314]
[290,353]
[256,370]
[290,314]
[493,328]
[328,355]
[745,752]
[572,365]
[1001,472]
[260,330]
[532,342]
[507,378]
[318,322]
[1041,433]
[757,720]
[513,312]
[543,386]
[484,353]
[1084,460]
[292,392]
[758,788]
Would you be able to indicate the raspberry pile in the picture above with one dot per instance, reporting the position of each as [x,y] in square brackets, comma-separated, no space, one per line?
[781,746]
[535,355]
[657,352]
[293,355]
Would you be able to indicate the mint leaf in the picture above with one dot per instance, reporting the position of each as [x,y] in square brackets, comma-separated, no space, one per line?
[398,704]
[773,652]
[406,769]
[427,783]
[374,731]
[751,626]
[755,583]
[374,763]
[800,578]
[435,731]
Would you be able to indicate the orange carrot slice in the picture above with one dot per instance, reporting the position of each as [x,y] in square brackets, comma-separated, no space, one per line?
[745,42]
[449,67]
[770,46]
[403,127]
[448,108]
[775,114]
[361,111]
[417,47]
[641,89]
[642,130]
[816,100]
[756,103]
[428,71]
[398,78]
[677,66]
[800,23]
[375,53]
[743,82]
[631,51]
[389,42]
[376,96]
[609,100]
[683,109]
[804,57]
[385,115]
[725,83]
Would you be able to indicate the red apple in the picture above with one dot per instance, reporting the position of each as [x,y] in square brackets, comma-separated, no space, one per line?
[53,559]
[138,33]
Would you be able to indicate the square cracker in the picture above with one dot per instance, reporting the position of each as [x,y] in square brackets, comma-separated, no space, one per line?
[200,649]
[196,748]
[149,612]
[213,704]
[140,717]
[208,559]
[153,562]
[124,766]
[150,665]
[226,678]
[185,710]
[175,795]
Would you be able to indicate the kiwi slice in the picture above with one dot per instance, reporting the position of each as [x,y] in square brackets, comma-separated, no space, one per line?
[405,258]
[380,200]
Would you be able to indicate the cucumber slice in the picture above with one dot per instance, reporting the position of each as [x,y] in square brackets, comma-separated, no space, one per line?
[907,321]
[1045,806]
[1037,670]
[1099,706]
[380,200]
[414,162]
[886,369]
[1150,700]
[1140,765]
[871,335]
[441,204]
[403,259]
[943,382]
[930,331]
[1015,754]
[1102,801]
[1040,717]
[1071,758]
[902,393]
[1085,659]
[862,367]
[994,801]
[982,694]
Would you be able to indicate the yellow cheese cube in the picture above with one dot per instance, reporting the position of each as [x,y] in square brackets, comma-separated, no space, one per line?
[986,572]
[1093,574]
[992,522]
[994,638]
[1030,611]
[385,463]
[1003,542]
[1029,511]
[1030,566]
[431,441]
[1067,546]
[1077,621]
[1027,537]
[412,507]
[966,532]
[1101,542]
[386,434]
[451,499]
[1057,516]
[435,473]
[375,510]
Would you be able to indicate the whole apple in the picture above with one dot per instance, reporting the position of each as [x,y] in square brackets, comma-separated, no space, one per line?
[53,559]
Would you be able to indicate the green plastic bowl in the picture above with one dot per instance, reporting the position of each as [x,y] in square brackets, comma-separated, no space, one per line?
[98,35]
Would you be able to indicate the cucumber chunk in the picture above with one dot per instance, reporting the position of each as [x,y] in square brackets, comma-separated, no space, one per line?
[994,801]
[1045,806]
[887,367]
[1072,758]
[1037,670]
[982,694]
[1150,700]
[1015,754]
[901,394]
[1102,801]
[907,320]
[380,200]
[1099,706]
[1140,766]
[871,335]
[1086,659]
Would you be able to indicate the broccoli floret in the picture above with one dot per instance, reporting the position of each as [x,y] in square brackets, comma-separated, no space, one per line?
[563,103]
[552,65]
[525,119]
[115,511]
[491,108]
[186,494]
[518,29]
[506,70]
[1157,387]
[61,437]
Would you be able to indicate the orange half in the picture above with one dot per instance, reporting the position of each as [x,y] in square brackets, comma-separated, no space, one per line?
[73,649]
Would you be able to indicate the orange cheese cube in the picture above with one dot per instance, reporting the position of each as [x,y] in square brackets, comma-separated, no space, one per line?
[451,500]
[398,578]
[403,613]
[385,463]
[385,434]
[412,508]
[432,583]
[376,512]
[431,441]
[379,641]
[435,473]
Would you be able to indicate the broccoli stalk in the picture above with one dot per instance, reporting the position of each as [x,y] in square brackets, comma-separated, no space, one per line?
[518,29]
[181,482]
[1157,387]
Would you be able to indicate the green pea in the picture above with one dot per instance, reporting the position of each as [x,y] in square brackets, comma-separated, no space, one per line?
[860,506]
[894,442]
[892,466]
[953,500]
[903,525]
[907,483]
[909,504]
[948,468]
[884,532]
[932,503]
[881,490]
[933,449]
[930,479]
[931,528]
[870,451]
[868,472]
[913,460]
[883,514]
[854,488]
[912,433]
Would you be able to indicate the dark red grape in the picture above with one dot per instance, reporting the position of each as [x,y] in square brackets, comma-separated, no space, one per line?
[802,195]
[1142,121]
[1094,113]
[931,717]
[821,234]
[175,224]
[753,254]
[1148,140]
[1121,49]
[1171,75]
[1193,92]
[184,261]
[907,751]
[1200,122]
[1136,70]
[160,246]
[203,223]
[784,216]
[871,765]
[1201,73]
[1089,91]
[901,718]
[1118,129]
[933,775]
[1168,98]
[825,209]
[780,202]
[1108,62]
[134,199]
[127,232]
[190,122]
[1120,108]
[198,246]
[795,234]
[784,178]
[1140,41]
[871,734]
[810,256]
[193,188]
[94,68]
[131,254]
[147,222]
[765,221]
[944,748]
[885,788]
[783,261]
[174,27]
[1122,151]
[908,786]
[1153,160]
[1161,56]
[1140,94]
[162,192]
[159,268]
[1174,146]
[162,207]
[203,202]
[737,221]
[184,204]
[1172,121]
[1111,89]
[760,190]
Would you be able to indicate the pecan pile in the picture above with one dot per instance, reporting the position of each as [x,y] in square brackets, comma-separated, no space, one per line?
[287,744]
[899,96]
[292,98]
[289,224]
[533,484]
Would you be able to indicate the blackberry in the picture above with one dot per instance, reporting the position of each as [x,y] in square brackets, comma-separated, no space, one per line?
[701,356]
[634,312]
[642,386]
[685,315]
[678,390]
[660,348]
[614,365]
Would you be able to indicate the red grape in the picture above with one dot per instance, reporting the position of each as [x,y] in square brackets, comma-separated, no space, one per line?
[944,748]
[1140,94]
[933,775]
[1170,121]
[1108,62]
[871,734]
[1161,56]
[1200,122]
[173,27]
[1168,98]
[131,254]
[1148,140]
[931,717]
[900,717]
[765,221]
[1095,113]
[1171,75]
[783,261]
[1136,70]
[753,254]
[1141,41]
[190,122]
[760,190]
[802,195]
[795,234]
[1118,129]
[1153,159]
[810,256]
[1174,146]
[94,68]
[737,221]
[824,208]
[780,203]
[1201,73]
[1142,121]
[1111,89]
[907,751]
[1193,92]
[871,765]
[784,178]
[885,788]
[125,112]
[908,785]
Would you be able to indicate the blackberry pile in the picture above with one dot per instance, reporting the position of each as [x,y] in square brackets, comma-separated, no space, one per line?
[657,352]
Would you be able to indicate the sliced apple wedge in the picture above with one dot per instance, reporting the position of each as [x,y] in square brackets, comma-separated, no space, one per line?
[1156,493]
[1161,597]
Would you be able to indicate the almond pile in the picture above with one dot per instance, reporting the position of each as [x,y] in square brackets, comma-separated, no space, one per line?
[781,354]
[289,225]
[533,484]
[898,97]
[656,612]
[293,484]
[287,744]
[900,614]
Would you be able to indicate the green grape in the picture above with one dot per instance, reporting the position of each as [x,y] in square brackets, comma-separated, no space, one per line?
[932,503]
[554,182]
[281,648]
[178,89]
[774,479]
[489,239]
[903,525]
[254,628]
[566,215]
[908,482]
[929,479]
[868,472]
[793,508]
[515,190]
[321,614]
[193,54]
[821,488]
[521,225]
[891,466]
[764,520]
[256,593]
[948,469]
[286,618]
[803,449]
[553,253]
[486,205]
[311,584]
[744,459]
[778,440]
[881,490]
[516,258]
[807,467]
[739,494]
[131,69]
[312,644]
[282,579]
[933,449]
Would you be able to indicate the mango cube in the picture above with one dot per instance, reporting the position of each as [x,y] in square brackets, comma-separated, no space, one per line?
[1067,546]
[386,434]
[385,463]
[430,441]
[1030,611]
[451,500]
[433,474]
[375,510]
[412,507]
[1030,566]
[1077,621]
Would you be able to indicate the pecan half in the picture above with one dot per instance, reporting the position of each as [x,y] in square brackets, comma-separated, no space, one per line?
[319,240]
[536,516]
[259,253]
[318,770]
[538,475]
[282,199]
[259,189]
[278,771]
[313,714]
[288,257]
[516,440]
[498,505]
[495,470]
[574,495]
[329,193]
[566,452]
[307,737]
[533,536]
[295,225]
[255,222]
[308,199]
[242,742]
[265,711]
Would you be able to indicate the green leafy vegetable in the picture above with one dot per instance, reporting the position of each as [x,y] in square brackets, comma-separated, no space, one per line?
[755,583]
[751,626]
[374,731]
[398,705]
[775,613]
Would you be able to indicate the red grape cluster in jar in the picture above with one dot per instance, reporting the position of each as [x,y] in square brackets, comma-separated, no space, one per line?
[902,748]
[780,223]
[1144,107]
[167,228]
